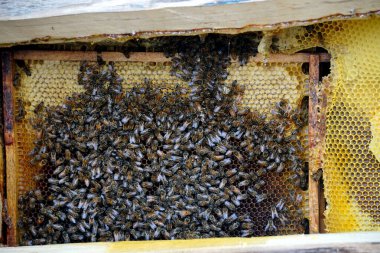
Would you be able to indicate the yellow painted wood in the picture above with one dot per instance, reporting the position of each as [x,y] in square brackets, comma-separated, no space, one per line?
[351,242]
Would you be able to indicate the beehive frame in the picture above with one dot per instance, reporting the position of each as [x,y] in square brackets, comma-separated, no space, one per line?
[317,101]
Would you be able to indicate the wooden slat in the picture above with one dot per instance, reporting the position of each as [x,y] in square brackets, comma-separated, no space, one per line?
[288,58]
[10,152]
[142,56]
[88,56]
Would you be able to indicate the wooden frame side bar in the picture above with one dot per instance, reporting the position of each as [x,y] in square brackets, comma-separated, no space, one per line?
[10,152]
[143,56]
[325,90]
[314,138]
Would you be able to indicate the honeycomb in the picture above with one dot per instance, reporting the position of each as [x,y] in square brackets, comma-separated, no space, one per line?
[352,153]
[265,84]
[50,82]
[351,166]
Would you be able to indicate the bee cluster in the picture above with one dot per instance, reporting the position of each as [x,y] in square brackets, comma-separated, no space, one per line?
[144,164]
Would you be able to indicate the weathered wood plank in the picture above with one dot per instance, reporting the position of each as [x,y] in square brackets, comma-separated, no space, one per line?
[231,18]
[10,152]
[142,56]
[338,242]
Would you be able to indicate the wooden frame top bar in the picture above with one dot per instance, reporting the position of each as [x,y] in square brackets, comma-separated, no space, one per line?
[143,57]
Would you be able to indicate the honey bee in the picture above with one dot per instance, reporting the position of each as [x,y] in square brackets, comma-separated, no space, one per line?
[317,175]
[247,226]
[247,232]
[244,183]
[231,172]
[284,221]
[233,226]
[231,218]
[271,166]
[20,112]
[217,157]
[274,213]
[222,183]
[230,206]
[280,168]
[261,172]
[259,184]
[260,197]
[235,190]
[238,156]
[17,80]
[270,227]
[280,205]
